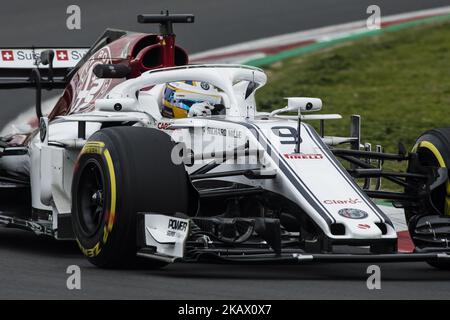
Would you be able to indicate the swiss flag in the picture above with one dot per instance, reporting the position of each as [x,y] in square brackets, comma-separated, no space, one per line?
[7,55]
[62,55]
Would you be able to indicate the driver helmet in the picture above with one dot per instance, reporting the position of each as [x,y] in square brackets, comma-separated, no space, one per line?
[178,97]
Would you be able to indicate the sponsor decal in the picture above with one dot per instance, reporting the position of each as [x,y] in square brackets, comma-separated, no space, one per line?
[163,125]
[310,156]
[363,226]
[77,55]
[7,55]
[177,225]
[28,55]
[352,213]
[93,147]
[62,55]
[223,132]
[88,86]
[346,201]
[177,228]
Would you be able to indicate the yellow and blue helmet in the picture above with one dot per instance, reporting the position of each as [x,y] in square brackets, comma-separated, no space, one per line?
[180,96]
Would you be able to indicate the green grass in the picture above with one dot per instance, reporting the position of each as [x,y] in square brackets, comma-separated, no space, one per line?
[399,83]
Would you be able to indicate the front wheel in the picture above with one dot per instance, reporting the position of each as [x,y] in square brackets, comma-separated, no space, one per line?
[433,150]
[120,172]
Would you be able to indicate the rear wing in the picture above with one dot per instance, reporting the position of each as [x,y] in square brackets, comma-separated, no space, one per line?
[16,65]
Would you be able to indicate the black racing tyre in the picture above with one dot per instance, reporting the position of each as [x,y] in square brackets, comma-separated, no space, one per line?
[433,149]
[122,171]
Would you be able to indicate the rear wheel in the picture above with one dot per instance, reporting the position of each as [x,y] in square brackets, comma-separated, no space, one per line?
[433,150]
[120,172]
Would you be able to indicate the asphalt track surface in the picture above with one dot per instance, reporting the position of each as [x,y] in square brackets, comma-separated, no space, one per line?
[35,267]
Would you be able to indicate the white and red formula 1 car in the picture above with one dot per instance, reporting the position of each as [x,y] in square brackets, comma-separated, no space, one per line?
[232,186]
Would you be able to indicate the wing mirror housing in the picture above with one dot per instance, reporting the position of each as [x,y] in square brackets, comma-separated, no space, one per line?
[46,58]
[304,104]
[300,105]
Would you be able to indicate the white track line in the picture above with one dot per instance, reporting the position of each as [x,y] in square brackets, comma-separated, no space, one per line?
[319,34]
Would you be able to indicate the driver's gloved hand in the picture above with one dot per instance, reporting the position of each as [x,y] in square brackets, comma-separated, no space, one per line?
[204,109]
[200,109]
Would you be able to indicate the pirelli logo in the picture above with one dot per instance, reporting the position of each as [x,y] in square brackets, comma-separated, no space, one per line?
[309,156]
[93,147]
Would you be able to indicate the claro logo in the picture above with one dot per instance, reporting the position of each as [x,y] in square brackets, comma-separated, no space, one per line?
[177,225]
[348,201]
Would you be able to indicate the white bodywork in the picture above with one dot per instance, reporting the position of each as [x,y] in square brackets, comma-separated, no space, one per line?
[167,234]
[313,178]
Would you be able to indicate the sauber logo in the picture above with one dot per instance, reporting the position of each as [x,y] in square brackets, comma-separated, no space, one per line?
[348,201]
[363,226]
[7,55]
[311,156]
[62,55]
[177,225]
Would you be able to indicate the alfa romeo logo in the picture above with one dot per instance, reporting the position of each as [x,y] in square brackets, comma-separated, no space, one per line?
[351,213]
[89,87]
[205,85]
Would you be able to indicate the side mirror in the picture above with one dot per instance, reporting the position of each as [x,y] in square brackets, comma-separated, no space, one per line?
[300,104]
[47,57]
[112,71]
[304,104]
